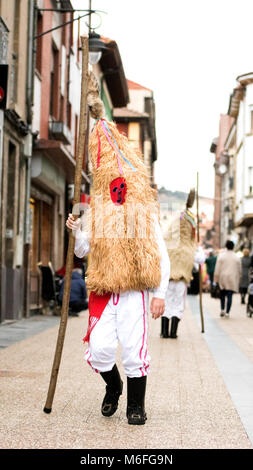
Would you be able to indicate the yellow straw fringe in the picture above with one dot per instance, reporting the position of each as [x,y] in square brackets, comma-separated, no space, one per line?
[126,263]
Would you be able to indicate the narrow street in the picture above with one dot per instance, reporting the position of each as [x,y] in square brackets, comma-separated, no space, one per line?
[202,384]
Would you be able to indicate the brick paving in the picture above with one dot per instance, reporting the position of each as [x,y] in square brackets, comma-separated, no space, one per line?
[187,402]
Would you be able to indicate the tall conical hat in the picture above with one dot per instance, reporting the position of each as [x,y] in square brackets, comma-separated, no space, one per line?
[191,198]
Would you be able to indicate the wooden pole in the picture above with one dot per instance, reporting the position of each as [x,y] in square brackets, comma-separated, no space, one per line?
[200,273]
[71,244]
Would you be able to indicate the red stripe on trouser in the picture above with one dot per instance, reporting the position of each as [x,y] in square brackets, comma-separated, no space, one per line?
[113,299]
[88,360]
[143,338]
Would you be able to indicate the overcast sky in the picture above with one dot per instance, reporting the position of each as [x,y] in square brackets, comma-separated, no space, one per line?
[189,52]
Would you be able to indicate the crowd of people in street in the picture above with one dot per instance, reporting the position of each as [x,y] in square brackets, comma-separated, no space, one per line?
[229,273]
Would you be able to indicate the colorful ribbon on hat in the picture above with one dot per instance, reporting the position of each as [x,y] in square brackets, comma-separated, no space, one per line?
[115,147]
[190,217]
[99,149]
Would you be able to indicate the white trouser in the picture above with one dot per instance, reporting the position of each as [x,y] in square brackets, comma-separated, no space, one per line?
[124,319]
[175,299]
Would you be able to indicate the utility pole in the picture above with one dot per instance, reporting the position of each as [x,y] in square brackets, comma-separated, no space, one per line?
[28,149]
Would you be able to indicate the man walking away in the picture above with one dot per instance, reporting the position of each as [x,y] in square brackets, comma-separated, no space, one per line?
[227,273]
[210,266]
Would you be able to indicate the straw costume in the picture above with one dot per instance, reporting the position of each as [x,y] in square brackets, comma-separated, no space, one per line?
[128,257]
[182,259]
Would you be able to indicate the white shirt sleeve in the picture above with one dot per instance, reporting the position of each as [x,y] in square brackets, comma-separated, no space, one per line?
[199,256]
[160,291]
[82,244]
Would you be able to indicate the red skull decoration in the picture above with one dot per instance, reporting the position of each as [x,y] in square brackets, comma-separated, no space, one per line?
[118,189]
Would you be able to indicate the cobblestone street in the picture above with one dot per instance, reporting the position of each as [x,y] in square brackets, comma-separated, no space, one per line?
[198,392]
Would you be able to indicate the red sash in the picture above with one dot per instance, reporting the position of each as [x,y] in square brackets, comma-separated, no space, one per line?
[97,304]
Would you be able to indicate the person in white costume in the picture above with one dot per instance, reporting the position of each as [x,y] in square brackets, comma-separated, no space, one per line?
[121,269]
[125,320]
[176,295]
[182,258]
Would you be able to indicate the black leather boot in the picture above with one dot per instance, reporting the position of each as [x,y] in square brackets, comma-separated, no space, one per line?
[114,389]
[164,327]
[136,388]
[174,325]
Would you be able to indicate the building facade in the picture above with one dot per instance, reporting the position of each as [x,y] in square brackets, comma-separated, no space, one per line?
[234,168]
[56,102]
[38,141]
[218,148]
[39,146]
[14,142]
[244,163]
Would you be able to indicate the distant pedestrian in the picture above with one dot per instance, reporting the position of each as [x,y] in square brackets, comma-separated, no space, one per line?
[78,294]
[210,266]
[244,281]
[227,274]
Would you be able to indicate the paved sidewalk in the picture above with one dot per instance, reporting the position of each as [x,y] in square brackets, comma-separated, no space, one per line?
[238,326]
[187,403]
[12,332]
[234,365]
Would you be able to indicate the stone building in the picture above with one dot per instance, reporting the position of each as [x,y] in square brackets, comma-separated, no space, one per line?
[14,15]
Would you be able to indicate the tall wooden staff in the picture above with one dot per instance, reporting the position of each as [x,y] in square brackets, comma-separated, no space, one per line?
[71,244]
[200,273]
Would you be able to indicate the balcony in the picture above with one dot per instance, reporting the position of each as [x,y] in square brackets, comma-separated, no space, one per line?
[60,131]
[60,155]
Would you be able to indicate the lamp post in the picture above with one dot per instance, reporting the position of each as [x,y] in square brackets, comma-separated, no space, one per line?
[96,48]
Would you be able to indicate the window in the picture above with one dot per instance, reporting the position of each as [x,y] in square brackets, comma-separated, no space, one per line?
[71,39]
[15,54]
[78,44]
[39,43]
[64,29]
[54,82]
[69,115]
[11,215]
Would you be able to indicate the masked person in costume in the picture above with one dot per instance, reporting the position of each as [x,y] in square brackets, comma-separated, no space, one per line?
[128,258]
[182,258]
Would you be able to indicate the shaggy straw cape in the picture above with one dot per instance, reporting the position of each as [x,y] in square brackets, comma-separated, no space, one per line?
[182,257]
[124,254]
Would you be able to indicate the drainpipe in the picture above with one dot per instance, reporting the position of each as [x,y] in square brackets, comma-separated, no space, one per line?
[244,154]
[28,147]
[4,33]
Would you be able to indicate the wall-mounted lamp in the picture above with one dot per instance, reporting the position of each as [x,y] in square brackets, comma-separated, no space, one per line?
[96,48]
